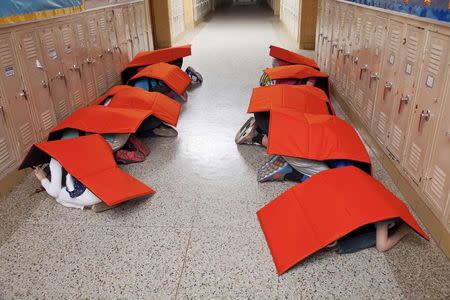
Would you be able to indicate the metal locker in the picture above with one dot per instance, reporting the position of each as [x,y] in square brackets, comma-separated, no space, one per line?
[329,13]
[389,80]
[428,104]
[133,29]
[119,25]
[141,25]
[127,29]
[355,95]
[376,55]
[321,31]
[86,63]
[71,65]
[403,101]
[114,50]
[7,150]
[18,108]
[112,76]
[346,51]
[55,72]
[177,17]
[335,43]
[32,61]
[437,183]
[96,54]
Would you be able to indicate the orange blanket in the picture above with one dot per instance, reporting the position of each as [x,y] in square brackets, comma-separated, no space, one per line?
[90,160]
[323,209]
[291,57]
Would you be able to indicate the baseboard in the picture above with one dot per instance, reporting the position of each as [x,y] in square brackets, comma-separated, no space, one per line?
[12,179]
[434,226]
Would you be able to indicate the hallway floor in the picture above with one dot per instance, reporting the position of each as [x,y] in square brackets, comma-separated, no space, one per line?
[198,236]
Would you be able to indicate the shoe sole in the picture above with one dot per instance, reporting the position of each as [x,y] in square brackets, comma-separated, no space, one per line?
[244,130]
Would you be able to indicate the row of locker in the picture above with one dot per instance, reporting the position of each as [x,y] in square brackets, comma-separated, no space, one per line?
[200,8]
[393,71]
[52,67]
[289,15]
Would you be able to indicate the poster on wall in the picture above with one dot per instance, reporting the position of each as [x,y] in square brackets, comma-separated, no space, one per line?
[13,11]
[433,9]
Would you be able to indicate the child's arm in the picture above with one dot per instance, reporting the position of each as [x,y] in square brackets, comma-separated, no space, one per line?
[386,242]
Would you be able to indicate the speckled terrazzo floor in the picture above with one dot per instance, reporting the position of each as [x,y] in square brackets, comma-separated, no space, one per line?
[198,236]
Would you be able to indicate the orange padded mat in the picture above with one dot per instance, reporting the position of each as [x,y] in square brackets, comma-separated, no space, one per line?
[323,209]
[90,160]
[291,57]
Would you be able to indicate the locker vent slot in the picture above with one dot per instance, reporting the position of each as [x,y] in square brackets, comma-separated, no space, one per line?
[29,47]
[379,36]
[438,182]
[395,41]
[63,109]
[91,90]
[48,41]
[412,48]
[80,34]
[67,39]
[26,134]
[101,83]
[77,98]
[369,109]
[396,138]
[381,125]
[435,58]
[6,54]
[47,120]
[414,157]
[4,153]
[359,97]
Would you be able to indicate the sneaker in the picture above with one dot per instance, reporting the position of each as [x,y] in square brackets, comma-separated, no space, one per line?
[128,157]
[247,132]
[165,131]
[274,170]
[139,145]
[196,77]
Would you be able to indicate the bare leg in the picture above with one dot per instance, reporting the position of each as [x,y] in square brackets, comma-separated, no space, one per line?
[386,242]
[265,140]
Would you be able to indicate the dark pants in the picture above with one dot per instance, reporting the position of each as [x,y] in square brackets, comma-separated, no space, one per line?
[146,128]
[262,122]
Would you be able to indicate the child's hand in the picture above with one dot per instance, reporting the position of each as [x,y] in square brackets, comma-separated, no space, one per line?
[39,173]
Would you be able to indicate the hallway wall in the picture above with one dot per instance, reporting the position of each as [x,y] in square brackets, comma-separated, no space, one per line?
[392,71]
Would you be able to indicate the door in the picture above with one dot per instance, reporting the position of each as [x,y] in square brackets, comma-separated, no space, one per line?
[57,80]
[437,183]
[86,62]
[96,53]
[428,104]
[36,79]
[17,103]
[389,80]
[404,100]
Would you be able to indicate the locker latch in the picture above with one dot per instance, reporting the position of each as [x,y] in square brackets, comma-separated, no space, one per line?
[75,68]
[363,68]
[447,134]
[59,75]
[2,110]
[24,94]
[339,51]
[44,83]
[387,87]
[355,60]
[425,115]
[404,99]
[373,77]
[108,50]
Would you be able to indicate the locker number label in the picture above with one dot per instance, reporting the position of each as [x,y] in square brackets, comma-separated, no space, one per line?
[430,81]
[408,69]
[9,71]
[53,55]
[392,59]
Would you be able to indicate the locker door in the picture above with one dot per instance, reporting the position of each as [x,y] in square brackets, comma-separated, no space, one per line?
[329,14]
[355,94]
[346,51]
[119,26]
[404,101]
[428,104]
[141,25]
[112,77]
[376,47]
[321,32]
[133,29]
[96,54]
[86,63]
[71,66]
[7,151]
[55,72]
[16,97]
[388,87]
[114,50]
[437,183]
[127,29]
[335,44]
[36,76]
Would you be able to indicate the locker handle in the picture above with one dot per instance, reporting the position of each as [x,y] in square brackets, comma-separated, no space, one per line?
[425,115]
[44,83]
[24,94]
[355,60]
[373,77]
[75,68]
[387,87]
[339,51]
[364,68]
[108,50]
[404,99]
[2,109]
